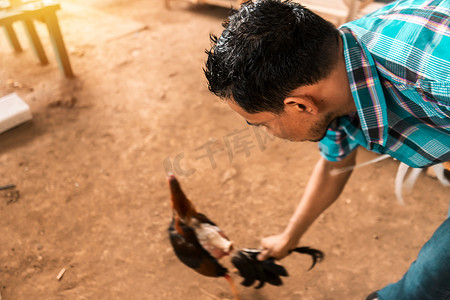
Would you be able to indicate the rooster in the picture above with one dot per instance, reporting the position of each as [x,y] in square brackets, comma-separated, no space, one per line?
[199,243]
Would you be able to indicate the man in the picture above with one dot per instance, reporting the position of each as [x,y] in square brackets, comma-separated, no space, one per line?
[381,82]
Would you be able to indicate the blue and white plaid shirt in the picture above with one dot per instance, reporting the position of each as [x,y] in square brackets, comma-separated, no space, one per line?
[398,65]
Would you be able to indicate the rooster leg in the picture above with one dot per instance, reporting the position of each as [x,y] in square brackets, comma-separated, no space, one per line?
[232,286]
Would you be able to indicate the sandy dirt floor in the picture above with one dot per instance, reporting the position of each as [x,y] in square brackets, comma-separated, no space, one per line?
[90,168]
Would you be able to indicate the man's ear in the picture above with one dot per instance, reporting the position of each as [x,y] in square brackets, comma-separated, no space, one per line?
[301,104]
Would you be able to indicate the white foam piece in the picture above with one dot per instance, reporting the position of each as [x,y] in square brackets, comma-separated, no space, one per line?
[13,112]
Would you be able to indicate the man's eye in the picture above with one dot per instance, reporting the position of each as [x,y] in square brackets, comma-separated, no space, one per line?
[251,124]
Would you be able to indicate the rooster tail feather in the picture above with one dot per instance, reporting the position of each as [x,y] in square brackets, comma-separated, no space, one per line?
[316,255]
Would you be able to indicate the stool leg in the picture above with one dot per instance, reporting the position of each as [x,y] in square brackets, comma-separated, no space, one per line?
[35,41]
[58,44]
[12,38]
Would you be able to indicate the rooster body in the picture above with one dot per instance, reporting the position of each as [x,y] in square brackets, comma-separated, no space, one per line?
[199,243]
[192,251]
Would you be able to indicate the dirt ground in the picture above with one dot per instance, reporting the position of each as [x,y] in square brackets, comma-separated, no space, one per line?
[90,168]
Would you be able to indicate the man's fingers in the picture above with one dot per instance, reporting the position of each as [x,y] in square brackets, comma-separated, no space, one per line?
[265,254]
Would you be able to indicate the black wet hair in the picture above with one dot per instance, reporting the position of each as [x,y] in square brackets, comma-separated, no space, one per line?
[267,49]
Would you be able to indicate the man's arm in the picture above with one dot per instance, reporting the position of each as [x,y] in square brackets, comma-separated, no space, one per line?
[322,190]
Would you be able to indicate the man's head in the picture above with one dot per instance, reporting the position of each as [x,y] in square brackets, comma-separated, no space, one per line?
[279,66]
[268,49]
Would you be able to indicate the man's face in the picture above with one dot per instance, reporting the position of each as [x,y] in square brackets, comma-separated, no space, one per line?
[293,124]
[309,109]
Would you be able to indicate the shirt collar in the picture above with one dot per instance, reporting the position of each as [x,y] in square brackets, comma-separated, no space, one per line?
[366,89]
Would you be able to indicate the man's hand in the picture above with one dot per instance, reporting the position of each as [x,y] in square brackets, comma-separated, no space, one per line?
[276,246]
[322,190]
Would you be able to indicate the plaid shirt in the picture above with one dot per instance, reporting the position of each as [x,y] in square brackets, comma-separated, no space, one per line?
[398,65]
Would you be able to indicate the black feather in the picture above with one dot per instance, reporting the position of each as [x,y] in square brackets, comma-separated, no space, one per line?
[247,270]
[260,275]
[252,269]
[272,267]
[316,255]
[272,278]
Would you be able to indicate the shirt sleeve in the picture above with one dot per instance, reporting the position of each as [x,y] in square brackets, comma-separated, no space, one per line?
[435,91]
[337,144]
